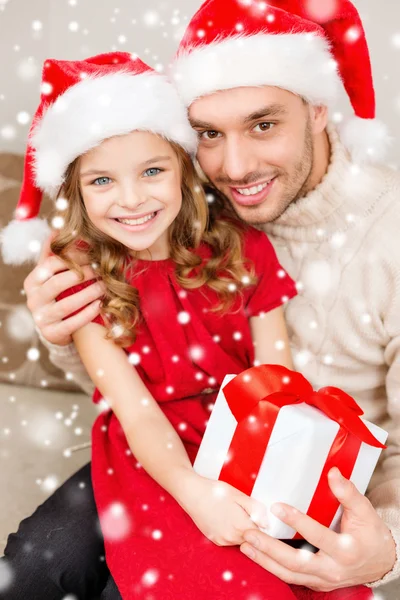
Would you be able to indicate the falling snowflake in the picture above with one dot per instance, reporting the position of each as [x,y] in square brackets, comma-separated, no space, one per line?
[150,577]
[151,18]
[6,576]
[115,522]
[37,25]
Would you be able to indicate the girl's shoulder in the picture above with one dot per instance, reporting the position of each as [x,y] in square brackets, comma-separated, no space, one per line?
[256,244]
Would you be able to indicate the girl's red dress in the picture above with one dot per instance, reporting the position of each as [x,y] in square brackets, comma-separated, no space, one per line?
[182,352]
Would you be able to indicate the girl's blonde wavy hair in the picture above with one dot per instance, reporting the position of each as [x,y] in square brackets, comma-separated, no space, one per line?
[226,272]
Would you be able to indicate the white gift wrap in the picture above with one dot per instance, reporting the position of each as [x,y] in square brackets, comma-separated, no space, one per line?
[293,461]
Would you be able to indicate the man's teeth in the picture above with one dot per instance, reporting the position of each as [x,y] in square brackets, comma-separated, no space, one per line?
[252,190]
[137,221]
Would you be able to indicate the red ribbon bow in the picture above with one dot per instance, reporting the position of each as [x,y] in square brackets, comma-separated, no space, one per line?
[255,398]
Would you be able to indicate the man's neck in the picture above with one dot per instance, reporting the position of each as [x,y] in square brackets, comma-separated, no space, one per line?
[322,157]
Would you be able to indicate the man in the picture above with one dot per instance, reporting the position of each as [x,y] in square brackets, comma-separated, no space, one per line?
[259,82]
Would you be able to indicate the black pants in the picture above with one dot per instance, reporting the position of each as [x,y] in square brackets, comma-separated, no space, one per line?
[59,550]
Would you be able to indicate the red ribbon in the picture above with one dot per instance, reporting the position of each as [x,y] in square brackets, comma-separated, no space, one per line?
[255,398]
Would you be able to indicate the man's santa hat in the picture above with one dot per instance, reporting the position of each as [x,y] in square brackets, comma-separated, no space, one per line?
[304,46]
[82,104]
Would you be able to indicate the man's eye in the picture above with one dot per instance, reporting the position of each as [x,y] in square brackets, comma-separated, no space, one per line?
[265,126]
[151,172]
[209,135]
[102,181]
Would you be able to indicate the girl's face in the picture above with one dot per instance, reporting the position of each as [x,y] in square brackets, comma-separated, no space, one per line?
[131,187]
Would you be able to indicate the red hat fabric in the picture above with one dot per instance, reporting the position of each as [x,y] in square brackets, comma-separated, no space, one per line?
[82,104]
[284,43]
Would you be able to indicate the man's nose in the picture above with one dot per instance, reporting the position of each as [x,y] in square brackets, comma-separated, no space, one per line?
[238,160]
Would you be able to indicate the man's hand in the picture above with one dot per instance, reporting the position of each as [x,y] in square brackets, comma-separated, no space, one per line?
[363,552]
[48,279]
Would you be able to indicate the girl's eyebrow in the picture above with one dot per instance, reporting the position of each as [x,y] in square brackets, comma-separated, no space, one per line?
[104,173]
[94,172]
[155,159]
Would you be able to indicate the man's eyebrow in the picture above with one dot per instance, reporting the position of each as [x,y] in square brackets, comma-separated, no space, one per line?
[201,124]
[272,110]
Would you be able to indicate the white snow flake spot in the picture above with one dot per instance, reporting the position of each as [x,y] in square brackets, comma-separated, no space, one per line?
[49,484]
[33,354]
[227,575]
[396,40]
[150,577]
[353,34]
[237,335]
[61,204]
[37,25]
[23,117]
[175,358]
[157,534]
[216,338]
[134,358]
[115,522]
[6,576]
[46,88]
[151,18]
[183,317]
[58,222]
[19,324]
[169,389]
[279,344]
[73,26]
[8,132]
[196,352]
[281,273]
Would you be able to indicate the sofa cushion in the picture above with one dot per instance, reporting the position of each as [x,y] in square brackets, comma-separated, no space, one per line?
[23,358]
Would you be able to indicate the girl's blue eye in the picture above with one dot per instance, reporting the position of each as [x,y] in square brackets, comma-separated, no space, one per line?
[102,181]
[151,172]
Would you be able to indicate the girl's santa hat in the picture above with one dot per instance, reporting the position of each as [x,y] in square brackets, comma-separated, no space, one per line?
[304,46]
[82,104]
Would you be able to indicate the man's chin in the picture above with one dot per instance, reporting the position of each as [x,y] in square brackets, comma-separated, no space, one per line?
[258,214]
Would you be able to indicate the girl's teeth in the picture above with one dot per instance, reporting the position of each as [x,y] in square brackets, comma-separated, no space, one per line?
[253,190]
[137,221]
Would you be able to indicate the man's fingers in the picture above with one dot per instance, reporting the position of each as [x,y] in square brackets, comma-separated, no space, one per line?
[349,496]
[281,571]
[316,534]
[43,297]
[298,561]
[60,310]
[60,331]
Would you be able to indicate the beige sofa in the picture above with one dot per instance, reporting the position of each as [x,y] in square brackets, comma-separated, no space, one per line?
[42,413]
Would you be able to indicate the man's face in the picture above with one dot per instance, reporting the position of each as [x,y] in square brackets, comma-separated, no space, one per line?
[256,147]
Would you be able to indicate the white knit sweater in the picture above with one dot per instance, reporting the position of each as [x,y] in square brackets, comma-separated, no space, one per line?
[341,243]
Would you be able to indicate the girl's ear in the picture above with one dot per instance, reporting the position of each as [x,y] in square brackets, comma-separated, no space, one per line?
[319,118]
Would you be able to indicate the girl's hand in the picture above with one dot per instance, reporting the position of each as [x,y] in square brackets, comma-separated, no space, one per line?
[220,511]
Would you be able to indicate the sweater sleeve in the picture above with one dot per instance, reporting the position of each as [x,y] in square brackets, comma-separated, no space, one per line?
[385,493]
[67,357]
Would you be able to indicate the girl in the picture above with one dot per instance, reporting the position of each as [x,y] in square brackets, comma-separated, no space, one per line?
[191,296]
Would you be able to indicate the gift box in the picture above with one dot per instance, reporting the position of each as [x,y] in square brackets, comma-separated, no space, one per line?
[273,437]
